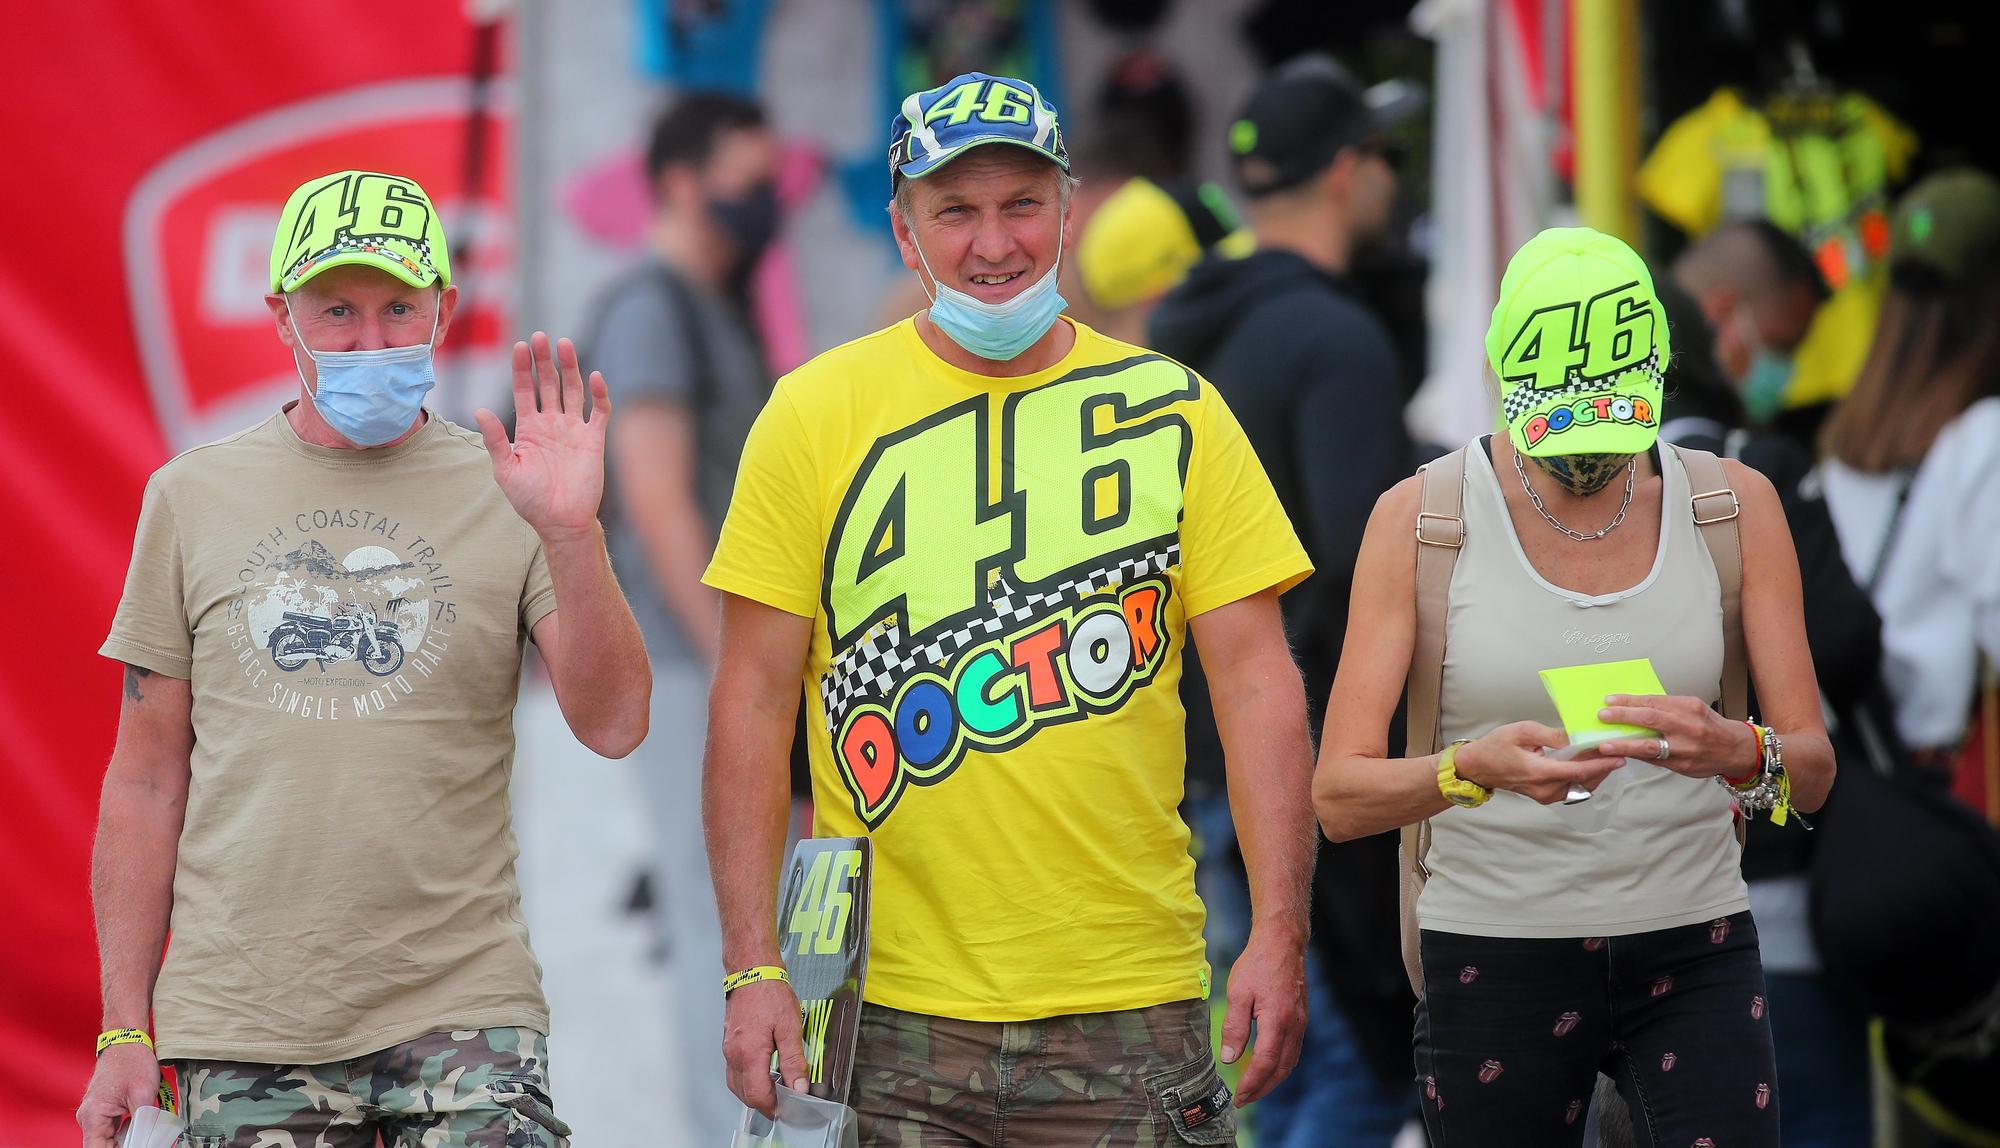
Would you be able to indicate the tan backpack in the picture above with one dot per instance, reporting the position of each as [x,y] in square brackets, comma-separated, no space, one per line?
[1440,533]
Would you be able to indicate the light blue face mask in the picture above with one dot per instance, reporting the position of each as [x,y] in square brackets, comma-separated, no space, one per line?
[1765,384]
[997,331]
[369,397]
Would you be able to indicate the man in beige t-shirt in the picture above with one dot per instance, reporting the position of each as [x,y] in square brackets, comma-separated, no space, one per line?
[322,632]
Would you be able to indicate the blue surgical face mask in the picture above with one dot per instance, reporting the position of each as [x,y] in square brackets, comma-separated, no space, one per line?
[1765,384]
[997,331]
[369,397]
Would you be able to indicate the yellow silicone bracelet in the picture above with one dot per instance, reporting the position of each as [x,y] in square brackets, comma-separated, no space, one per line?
[751,976]
[112,1036]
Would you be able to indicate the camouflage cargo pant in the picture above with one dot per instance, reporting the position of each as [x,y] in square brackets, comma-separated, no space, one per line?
[484,1088]
[1143,1078]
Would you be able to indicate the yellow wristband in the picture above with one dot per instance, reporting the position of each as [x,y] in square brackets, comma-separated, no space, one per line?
[1782,810]
[1459,791]
[751,976]
[113,1036]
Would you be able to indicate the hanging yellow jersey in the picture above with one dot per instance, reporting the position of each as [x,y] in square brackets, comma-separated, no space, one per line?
[1818,166]
[1000,574]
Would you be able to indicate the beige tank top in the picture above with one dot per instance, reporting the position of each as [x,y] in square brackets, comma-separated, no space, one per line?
[1514,868]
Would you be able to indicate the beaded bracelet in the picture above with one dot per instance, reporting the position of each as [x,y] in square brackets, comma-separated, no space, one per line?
[1770,787]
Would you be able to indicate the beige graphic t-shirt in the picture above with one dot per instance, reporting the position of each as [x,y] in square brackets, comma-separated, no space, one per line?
[352,624]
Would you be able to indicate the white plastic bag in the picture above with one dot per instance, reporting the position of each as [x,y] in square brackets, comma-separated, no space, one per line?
[151,1128]
[803,1122]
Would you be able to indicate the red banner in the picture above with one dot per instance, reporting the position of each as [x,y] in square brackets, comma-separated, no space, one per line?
[150,147]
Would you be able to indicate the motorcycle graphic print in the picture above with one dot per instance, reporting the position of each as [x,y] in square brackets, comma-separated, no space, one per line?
[340,613]
[973,597]
[354,633]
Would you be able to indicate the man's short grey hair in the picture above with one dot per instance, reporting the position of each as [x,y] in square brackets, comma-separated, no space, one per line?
[899,202]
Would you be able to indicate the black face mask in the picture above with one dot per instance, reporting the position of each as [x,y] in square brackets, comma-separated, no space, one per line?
[1582,474]
[751,222]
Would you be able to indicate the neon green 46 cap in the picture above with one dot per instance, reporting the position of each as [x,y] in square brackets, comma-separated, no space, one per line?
[363,217]
[1579,343]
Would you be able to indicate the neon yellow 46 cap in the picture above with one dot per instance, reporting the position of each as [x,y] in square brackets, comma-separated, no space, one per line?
[363,217]
[1579,343]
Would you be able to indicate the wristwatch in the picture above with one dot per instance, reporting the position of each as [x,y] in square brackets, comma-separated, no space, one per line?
[1460,792]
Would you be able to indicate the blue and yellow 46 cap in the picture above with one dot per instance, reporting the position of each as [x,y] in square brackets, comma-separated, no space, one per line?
[935,126]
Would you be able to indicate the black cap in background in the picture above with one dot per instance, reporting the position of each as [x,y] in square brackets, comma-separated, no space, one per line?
[1303,114]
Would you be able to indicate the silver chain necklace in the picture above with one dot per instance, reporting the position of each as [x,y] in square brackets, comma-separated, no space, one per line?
[1631,469]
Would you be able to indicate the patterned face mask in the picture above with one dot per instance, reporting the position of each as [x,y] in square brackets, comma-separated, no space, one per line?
[1582,474]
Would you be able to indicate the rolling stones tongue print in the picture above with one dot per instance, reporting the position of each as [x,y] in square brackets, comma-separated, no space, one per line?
[1536,1017]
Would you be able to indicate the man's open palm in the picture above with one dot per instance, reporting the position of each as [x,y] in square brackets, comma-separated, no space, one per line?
[553,471]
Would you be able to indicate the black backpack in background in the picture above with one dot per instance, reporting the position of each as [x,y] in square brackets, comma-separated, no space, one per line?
[701,397]
[1905,912]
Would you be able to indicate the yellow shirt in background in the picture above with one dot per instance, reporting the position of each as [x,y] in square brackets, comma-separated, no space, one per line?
[1000,573]
[1819,168]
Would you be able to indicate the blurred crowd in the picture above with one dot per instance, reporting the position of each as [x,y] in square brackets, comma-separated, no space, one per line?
[1833,288]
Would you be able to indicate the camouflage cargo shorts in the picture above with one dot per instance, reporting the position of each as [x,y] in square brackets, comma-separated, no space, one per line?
[1143,1078]
[481,1088]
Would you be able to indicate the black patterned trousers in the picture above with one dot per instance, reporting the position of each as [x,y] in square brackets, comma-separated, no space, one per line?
[1512,1033]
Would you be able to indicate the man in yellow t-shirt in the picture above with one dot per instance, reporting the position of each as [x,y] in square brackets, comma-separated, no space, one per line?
[978,540]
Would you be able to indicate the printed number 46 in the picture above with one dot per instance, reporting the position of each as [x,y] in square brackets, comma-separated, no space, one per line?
[1096,465]
[991,102]
[366,203]
[1616,333]
[819,916]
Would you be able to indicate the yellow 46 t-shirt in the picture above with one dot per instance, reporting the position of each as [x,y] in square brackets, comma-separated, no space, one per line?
[1000,574]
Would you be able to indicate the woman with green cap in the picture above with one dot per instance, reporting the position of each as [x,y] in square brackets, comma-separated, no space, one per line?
[1581,905]
[1912,479]
[1913,459]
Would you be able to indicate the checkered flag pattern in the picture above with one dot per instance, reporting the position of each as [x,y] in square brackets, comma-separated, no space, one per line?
[1520,399]
[873,665]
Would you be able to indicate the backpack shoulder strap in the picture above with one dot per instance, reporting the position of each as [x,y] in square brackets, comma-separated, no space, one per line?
[1440,532]
[687,312]
[1440,529]
[680,306]
[1715,509]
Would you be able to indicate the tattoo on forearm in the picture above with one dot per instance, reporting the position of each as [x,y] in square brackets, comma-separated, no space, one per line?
[132,675]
